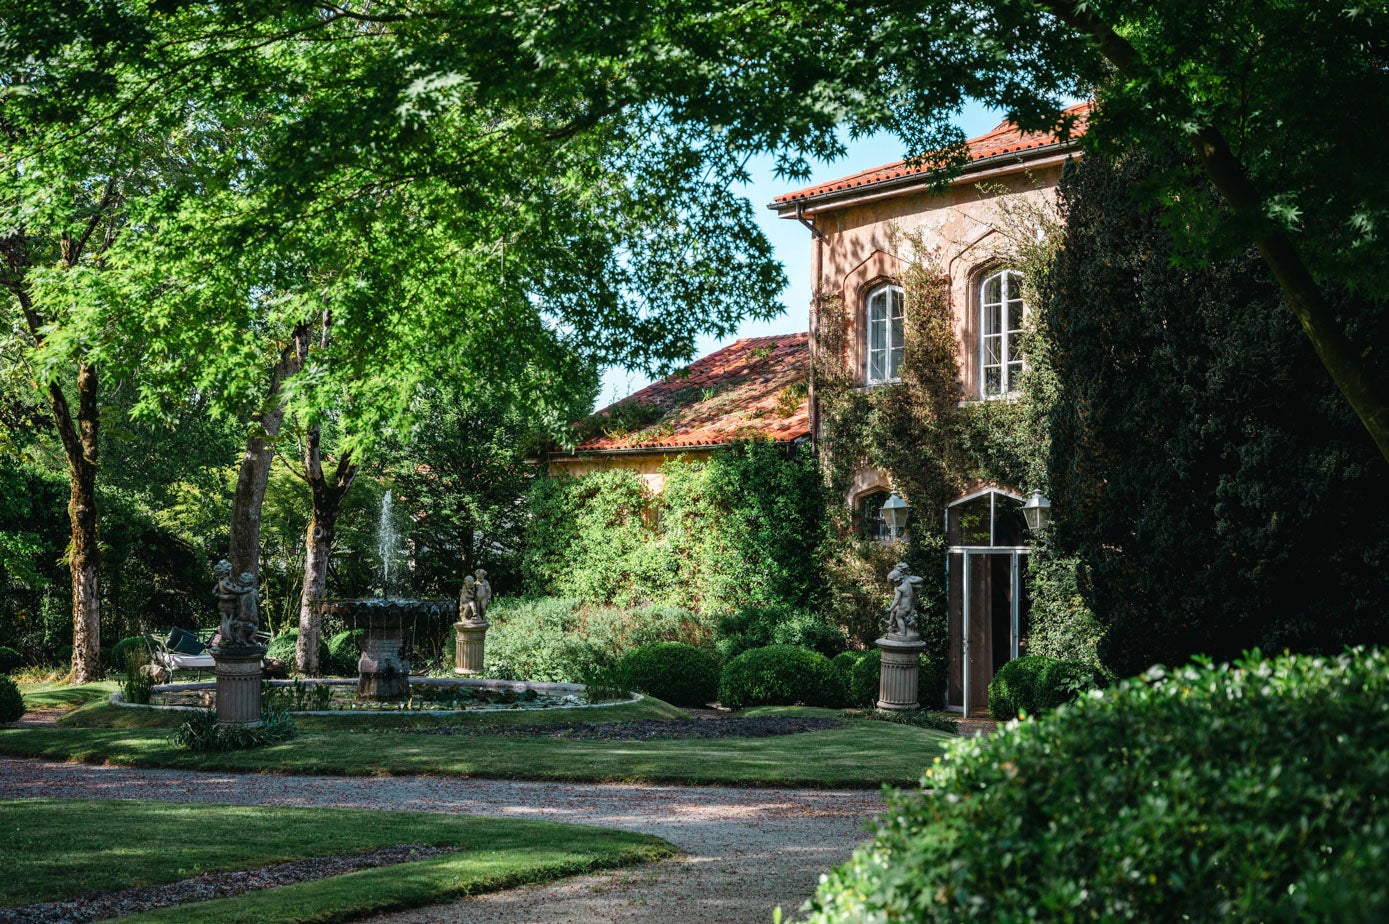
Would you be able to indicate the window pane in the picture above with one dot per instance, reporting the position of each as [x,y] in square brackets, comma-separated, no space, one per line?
[877,306]
[993,351]
[896,341]
[993,290]
[991,381]
[894,368]
[896,303]
[992,318]
[1014,375]
[1015,315]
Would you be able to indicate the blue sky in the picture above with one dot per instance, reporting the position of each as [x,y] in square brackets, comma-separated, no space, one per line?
[791,241]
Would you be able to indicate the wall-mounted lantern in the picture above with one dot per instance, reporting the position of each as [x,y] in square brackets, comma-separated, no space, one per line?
[895,512]
[1037,512]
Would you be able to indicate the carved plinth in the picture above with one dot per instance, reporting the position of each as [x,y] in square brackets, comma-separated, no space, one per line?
[468,638]
[238,685]
[900,673]
[381,671]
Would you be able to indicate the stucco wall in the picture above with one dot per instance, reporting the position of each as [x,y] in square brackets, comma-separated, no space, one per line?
[865,245]
[645,465]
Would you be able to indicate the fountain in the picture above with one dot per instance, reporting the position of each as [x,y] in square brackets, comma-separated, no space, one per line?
[383,672]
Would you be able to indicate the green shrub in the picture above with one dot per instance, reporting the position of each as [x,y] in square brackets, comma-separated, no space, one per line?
[758,626]
[283,647]
[844,663]
[1014,687]
[1033,684]
[202,733]
[118,653]
[138,685]
[810,631]
[781,675]
[344,650]
[1207,793]
[679,674]
[10,659]
[11,701]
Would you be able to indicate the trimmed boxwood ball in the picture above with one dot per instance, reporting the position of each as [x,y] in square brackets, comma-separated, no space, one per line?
[781,675]
[283,646]
[677,673]
[9,659]
[121,650]
[1034,684]
[1208,793]
[11,702]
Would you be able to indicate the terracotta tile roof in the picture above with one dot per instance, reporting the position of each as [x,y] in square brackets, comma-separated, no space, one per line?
[1005,139]
[753,388]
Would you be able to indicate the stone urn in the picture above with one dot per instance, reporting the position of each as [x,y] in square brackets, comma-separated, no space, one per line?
[383,673]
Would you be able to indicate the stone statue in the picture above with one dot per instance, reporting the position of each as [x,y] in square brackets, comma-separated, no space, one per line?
[238,608]
[484,595]
[467,601]
[901,614]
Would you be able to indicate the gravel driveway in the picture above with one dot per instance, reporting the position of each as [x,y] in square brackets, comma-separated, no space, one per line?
[747,850]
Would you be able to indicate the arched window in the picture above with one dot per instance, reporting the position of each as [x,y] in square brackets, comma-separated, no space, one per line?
[872,524]
[1000,323]
[884,330]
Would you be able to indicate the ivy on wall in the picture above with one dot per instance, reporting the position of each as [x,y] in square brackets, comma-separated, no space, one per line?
[932,445]
[743,528]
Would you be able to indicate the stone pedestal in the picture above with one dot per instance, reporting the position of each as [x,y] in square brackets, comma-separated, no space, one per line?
[238,685]
[381,672]
[468,642]
[900,673]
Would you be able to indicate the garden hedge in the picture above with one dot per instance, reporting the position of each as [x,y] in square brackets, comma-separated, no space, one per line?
[283,647]
[344,650]
[1208,793]
[863,681]
[11,701]
[9,659]
[1033,684]
[781,675]
[679,674]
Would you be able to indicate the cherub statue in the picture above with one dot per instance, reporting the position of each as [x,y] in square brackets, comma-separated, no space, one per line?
[467,600]
[901,614]
[247,621]
[484,595]
[225,590]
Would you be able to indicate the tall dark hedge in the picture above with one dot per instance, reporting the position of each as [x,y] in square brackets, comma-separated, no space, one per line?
[1216,486]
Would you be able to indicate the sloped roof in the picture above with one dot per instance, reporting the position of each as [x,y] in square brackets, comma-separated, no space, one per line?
[754,388]
[1005,139]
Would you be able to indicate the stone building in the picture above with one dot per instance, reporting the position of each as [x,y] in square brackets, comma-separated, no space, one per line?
[865,228]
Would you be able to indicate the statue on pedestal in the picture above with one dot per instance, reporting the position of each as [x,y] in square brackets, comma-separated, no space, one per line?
[901,613]
[238,608]
[474,599]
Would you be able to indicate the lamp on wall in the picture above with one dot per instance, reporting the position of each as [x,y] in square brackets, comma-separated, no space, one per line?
[1037,512]
[895,512]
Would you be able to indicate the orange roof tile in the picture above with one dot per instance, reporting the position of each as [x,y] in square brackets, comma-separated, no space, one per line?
[1005,139]
[754,388]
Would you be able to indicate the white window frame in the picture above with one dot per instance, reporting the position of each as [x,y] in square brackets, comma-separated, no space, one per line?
[888,293]
[1008,354]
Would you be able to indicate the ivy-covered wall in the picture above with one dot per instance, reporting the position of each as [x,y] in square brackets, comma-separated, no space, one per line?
[743,528]
[932,445]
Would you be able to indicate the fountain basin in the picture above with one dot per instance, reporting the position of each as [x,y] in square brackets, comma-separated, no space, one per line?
[383,673]
[433,693]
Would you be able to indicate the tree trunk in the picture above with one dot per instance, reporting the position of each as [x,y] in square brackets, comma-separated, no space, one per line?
[327,493]
[84,553]
[1344,363]
[244,553]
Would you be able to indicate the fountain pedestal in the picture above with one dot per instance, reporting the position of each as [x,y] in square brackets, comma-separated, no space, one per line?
[238,684]
[468,647]
[383,672]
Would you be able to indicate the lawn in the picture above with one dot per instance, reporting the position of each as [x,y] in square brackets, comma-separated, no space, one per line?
[860,754]
[55,848]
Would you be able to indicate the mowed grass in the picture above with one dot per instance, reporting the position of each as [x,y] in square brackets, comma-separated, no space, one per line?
[59,848]
[59,695]
[860,754]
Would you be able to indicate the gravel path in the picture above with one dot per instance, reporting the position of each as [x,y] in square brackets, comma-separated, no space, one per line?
[747,850]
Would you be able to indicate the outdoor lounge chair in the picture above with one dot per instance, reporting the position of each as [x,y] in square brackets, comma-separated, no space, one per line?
[187,651]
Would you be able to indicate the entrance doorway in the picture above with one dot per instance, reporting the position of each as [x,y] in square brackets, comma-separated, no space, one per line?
[988,605]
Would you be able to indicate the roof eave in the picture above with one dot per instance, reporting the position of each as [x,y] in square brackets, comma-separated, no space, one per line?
[985,167]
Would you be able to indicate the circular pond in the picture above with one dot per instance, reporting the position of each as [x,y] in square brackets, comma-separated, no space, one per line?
[428,695]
